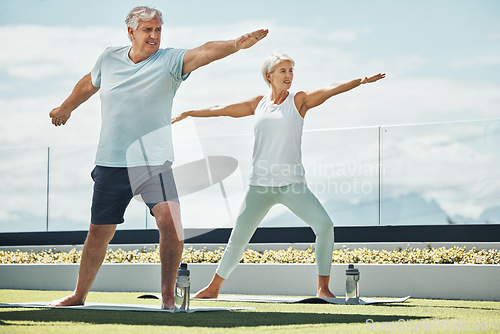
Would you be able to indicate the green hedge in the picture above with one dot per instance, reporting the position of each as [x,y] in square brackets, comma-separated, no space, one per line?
[454,255]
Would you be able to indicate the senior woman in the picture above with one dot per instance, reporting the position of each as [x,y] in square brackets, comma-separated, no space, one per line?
[277,175]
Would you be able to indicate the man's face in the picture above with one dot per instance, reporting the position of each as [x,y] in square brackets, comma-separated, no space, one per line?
[147,37]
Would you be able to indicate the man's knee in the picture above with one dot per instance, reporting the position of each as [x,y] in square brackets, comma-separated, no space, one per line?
[168,220]
[165,222]
[101,233]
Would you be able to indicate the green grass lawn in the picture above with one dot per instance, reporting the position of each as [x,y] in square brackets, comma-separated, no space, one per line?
[412,316]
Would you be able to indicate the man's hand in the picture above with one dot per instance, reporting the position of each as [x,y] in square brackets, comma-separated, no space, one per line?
[59,116]
[215,50]
[250,39]
[83,90]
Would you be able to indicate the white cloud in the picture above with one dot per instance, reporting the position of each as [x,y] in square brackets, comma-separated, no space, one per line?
[345,35]
[35,71]
[70,52]
[413,100]
[478,61]
[41,51]
[26,123]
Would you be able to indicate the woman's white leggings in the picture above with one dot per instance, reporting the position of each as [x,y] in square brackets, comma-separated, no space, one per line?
[258,201]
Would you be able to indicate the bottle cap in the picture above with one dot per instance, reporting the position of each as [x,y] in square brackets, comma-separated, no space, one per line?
[183,270]
[351,270]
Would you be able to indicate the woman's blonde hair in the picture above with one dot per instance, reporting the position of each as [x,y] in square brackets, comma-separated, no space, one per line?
[271,62]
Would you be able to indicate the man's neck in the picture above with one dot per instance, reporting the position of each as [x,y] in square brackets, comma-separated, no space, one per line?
[137,57]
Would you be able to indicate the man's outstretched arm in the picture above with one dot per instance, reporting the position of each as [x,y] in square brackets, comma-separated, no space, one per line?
[211,51]
[83,90]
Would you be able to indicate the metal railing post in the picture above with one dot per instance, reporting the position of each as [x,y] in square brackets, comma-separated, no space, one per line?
[380,175]
[48,190]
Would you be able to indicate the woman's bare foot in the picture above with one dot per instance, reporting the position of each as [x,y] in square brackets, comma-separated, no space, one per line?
[323,287]
[324,293]
[71,300]
[211,290]
[207,293]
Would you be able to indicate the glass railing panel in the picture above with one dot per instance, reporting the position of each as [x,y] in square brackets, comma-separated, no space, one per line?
[211,174]
[445,173]
[71,189]
[23,189]
[430,174]
[342,171]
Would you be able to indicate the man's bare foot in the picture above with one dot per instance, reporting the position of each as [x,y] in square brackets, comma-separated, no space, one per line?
[168,304]
[207,293]
[325,293]
[71,300]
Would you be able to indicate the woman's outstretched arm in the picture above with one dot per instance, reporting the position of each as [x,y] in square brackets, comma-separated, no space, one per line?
[242,109]
[310,99]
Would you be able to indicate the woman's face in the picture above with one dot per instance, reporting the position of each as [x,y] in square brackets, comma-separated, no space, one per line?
[282,76]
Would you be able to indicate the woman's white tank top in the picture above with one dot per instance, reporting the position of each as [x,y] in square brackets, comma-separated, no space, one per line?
[277,155]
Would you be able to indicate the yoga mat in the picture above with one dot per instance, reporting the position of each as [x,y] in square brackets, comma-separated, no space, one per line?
[292,300]
[123,307]
[311,300]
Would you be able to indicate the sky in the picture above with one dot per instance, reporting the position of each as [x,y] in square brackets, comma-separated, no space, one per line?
[441,59]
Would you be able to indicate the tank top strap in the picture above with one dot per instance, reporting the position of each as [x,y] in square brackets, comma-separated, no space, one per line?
[290,102]
[264,101]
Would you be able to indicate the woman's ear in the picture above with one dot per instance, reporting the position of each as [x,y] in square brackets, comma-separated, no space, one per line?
[268,76]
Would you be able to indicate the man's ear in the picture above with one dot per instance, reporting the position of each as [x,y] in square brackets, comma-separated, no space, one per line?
[130,33]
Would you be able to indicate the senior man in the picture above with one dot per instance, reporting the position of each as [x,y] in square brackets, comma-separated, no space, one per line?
[137,85]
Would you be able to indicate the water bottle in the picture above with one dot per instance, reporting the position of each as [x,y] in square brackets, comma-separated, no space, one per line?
[352,285]
[182,289]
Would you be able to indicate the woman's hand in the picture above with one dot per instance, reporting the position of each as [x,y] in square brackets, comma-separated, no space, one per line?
[179,117]
[373,78]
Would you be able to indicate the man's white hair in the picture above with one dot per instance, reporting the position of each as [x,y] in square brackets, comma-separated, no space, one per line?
[142,13]
[271,62]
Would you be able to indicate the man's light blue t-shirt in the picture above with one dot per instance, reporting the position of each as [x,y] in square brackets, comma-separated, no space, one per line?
[136,106]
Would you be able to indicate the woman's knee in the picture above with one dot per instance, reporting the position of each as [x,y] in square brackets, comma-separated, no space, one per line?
[239,239]
[323,227]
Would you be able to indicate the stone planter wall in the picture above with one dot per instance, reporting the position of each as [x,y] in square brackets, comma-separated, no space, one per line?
[468,282]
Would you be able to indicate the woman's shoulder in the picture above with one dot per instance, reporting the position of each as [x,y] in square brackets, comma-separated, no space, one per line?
[300,92]
[262,97]
[257,98]
[299,97]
